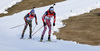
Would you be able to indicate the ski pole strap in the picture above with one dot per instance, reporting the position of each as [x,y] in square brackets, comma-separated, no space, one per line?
[17,26]
[37,30]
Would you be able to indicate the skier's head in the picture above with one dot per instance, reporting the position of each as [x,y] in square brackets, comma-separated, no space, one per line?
[32,11]
[51,9]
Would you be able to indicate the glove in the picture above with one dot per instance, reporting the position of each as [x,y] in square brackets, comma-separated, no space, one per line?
[44,23]
[36,23]
[53,24]
[26,21]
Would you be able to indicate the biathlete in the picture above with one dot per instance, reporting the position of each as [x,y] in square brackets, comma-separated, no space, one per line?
[46,21]
[28,21]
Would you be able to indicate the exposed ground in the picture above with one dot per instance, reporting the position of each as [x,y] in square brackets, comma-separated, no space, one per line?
[84,29]
[28,4]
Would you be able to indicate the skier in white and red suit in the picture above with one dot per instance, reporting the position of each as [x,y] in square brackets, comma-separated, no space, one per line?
[46,21]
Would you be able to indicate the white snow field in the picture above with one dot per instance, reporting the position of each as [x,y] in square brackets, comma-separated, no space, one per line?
[10,38]
[5,4]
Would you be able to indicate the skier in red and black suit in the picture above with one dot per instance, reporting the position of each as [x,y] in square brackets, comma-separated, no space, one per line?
[28,20]
[46,21]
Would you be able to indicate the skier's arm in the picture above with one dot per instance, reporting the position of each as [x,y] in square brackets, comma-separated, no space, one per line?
[26,17]
[54,18]
[36,19]
[43,18]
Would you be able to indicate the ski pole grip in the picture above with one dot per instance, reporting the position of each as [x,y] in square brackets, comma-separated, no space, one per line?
[54,4]
[33,7]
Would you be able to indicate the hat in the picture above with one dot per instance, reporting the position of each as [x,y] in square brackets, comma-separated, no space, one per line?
[51,8]
[32,11]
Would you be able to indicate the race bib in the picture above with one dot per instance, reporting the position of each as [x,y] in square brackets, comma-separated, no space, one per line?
[48,18]
[29,19]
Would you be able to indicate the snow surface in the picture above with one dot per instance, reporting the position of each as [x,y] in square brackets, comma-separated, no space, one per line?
[9,38]
[5,4]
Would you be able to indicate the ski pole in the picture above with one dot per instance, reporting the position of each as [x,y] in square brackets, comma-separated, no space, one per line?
[34,28]
[37,30]
[17,26]
[52,27]
[54,5]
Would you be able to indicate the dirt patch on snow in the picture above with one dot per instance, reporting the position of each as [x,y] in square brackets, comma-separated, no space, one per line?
[83,29]
[28,4]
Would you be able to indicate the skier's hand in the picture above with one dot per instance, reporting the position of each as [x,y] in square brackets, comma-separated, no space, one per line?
[44,23]
[36,23]
[53,24]
[26,21]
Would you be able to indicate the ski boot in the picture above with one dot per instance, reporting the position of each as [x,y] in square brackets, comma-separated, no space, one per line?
[49,38]
[30,37]
[41,39]
[22,36]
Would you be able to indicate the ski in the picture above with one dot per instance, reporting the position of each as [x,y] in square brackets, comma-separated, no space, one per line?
[47,41]
[41,41]
[27,38]
[22,38]
[50,41]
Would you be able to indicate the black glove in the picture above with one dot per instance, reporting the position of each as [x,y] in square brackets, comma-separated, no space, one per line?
[26,22]
[36,23]
[44,23]
[53,24]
